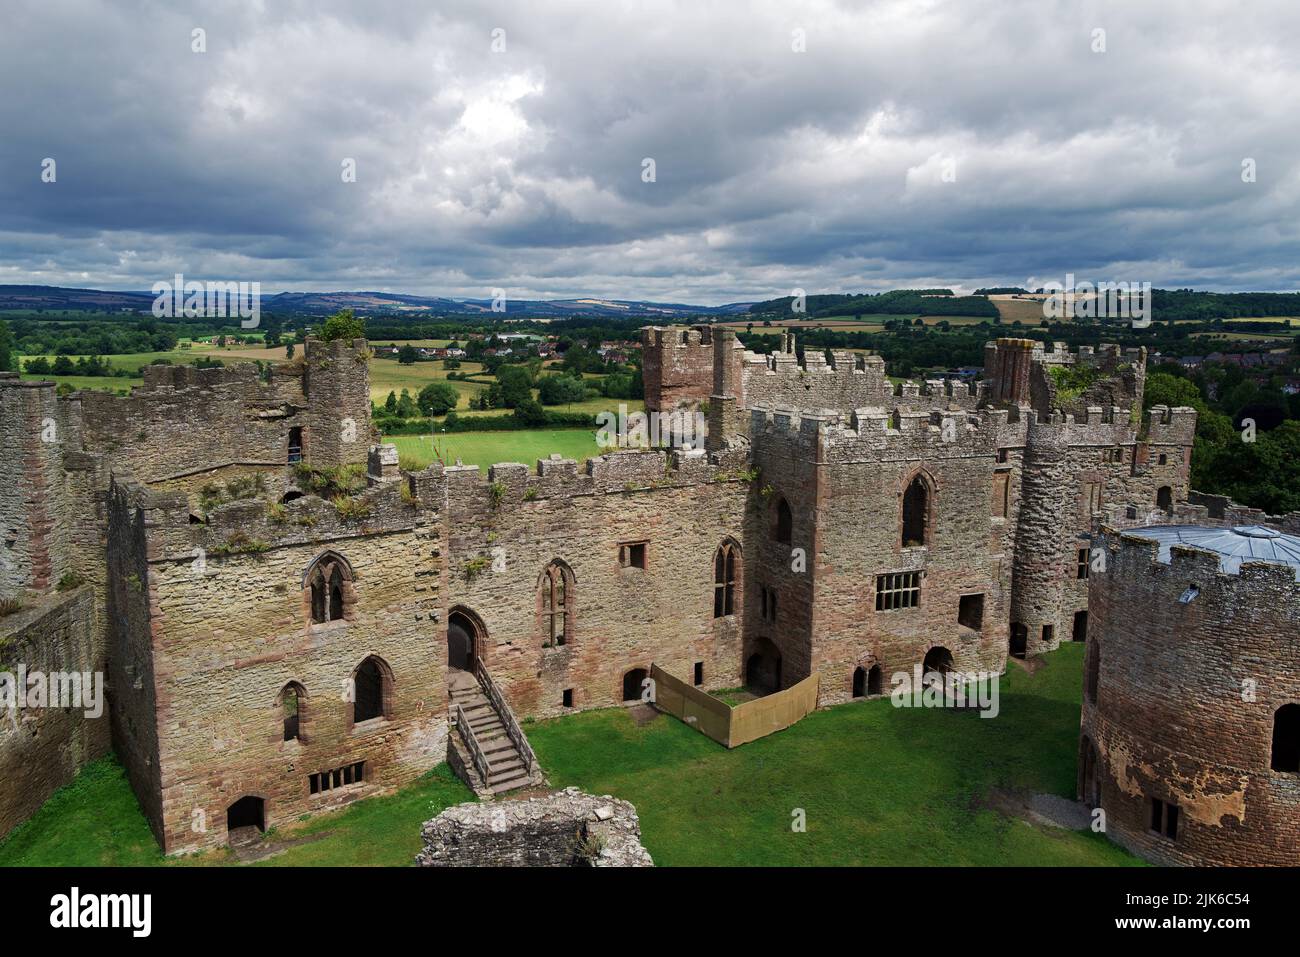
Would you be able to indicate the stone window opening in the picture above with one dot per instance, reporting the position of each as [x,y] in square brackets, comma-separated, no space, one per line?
[916,513]
[866,681]
[1286,739]
[566,698]
[1165,498]
[632,555]
[724,580]
[1163,818]
[328,582]
[372,685]
[896,590]
[1164,459]
[555,592]
[338,777]
[767,598]
[1081,564]
[699,673]
[295,444]
[1049,634]
[293,700]
[970,611]
[783,523]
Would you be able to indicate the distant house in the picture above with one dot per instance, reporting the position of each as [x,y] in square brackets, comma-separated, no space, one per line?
[1191,362]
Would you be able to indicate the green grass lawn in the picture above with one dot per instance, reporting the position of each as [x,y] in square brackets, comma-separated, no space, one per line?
[95,821]
[880,785]
[488,448]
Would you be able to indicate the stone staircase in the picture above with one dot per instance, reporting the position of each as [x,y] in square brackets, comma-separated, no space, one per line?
[508,767]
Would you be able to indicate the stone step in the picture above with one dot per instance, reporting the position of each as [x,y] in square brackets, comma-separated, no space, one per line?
[507,762]
[510,784]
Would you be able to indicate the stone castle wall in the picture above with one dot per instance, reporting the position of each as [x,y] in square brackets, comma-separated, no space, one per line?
[43,748]
[504,529]
[227,630]
[34,517]
[1184,703]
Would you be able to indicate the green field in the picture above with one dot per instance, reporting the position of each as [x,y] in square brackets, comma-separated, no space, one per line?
[488,448]
[879,786]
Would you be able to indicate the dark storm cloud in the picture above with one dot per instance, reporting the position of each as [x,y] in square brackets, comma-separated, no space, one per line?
[775,169]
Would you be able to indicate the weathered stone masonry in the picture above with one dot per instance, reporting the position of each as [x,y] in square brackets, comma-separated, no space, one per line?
[821,479]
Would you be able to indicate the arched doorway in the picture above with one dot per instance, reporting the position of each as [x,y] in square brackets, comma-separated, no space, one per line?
[245,819]
[464,640]
[1165,498]
[1080,632]
[859,682]
[938,661]
[634,684]
[763,668]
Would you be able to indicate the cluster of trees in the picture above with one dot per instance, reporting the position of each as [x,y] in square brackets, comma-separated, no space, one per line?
[435,399]
[93,337]
[1247,437]
[65,365]
[1180,304]
[920,302]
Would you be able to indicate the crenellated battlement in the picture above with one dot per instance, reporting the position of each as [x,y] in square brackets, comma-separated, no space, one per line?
[514,484]
[882,433]
[1185,565]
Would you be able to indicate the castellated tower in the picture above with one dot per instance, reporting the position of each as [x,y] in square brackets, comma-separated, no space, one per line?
[677,366]
[1190,735]
[336,385]
[33,519]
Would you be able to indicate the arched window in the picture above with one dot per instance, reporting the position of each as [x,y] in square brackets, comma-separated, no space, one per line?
[725,566]
[556,594]
[1286,738]
[293,699]
[916,513]
[372,690]
[783,524]
[329,579]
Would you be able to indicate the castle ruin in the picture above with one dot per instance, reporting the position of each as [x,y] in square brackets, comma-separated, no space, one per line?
[279,642]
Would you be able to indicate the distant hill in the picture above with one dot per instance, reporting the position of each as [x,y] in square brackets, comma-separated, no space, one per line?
[59,298]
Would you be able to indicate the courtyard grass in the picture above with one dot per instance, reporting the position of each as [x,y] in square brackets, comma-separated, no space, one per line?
[878,785]
[485,449]
[96,822]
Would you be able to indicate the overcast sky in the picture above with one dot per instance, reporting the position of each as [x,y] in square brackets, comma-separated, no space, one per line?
[966,143]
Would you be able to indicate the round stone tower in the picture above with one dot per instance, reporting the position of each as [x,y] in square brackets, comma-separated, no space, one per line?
[1190,737]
